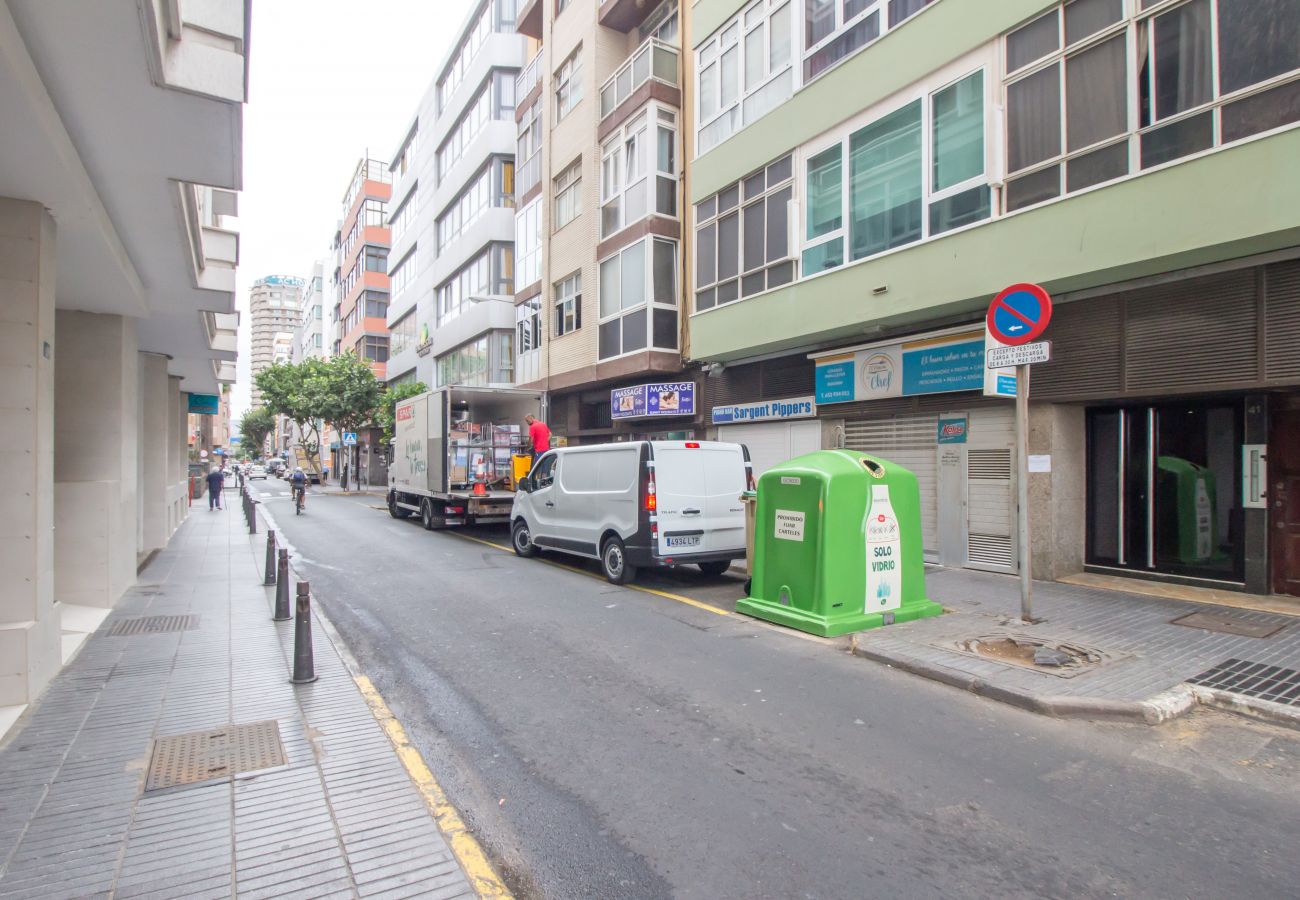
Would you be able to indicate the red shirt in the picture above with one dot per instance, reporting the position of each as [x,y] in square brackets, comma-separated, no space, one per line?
[540,436]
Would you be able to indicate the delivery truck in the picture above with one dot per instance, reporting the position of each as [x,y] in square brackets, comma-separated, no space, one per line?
[458,454]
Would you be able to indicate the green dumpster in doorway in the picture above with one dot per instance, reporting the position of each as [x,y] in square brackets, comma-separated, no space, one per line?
[837,545]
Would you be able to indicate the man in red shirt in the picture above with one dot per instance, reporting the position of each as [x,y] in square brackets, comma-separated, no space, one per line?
[538,435]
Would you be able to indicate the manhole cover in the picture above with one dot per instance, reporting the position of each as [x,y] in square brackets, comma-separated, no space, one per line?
[1226,623]
[199,756]
[154,625]
[1253,679]
[1064,659]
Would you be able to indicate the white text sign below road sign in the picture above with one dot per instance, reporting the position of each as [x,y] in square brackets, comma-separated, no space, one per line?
[349,438]
[1023,355]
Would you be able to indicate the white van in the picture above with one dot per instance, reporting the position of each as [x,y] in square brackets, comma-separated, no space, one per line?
[642,503]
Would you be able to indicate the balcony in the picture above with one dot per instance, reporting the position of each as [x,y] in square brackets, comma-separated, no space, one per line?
[529,19]
[623,15]
[653,61]
[529,78]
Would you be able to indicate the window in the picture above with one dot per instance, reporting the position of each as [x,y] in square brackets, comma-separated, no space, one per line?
[638,299]
[568,304]
[744,70]
[528,339]
[528,243]
[402,335]
[372,214]
[836,29]
[628,193]
[485,191]
[912,173]
[568,84]
[489,103]
[490,273]
[405,215]
[544,472]
[528,152]
[661,24]
[488,359]
[404,272]
[568,194]
[376,305]
[495,15]
[376,259]
[742,244]
[1073,96]
[375,348]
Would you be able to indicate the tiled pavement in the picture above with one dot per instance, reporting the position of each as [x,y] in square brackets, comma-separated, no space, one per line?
[1149,656]
[342,818]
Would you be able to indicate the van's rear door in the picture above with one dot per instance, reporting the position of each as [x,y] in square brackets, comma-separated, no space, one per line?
[698,485]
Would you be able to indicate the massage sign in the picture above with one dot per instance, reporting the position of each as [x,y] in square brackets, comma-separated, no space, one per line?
[884,559]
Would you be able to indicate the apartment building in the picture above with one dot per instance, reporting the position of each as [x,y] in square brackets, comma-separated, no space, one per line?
[309,337]
[599,235]
[360,277]
[273,318]
[452,215]
[870,173]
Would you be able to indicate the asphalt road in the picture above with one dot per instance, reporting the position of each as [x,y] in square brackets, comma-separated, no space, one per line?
[604,742]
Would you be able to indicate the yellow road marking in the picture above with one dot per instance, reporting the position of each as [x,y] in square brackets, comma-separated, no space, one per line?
[636,587]
[483,878]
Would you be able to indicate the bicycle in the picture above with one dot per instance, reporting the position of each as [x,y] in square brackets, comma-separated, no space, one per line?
[299,500]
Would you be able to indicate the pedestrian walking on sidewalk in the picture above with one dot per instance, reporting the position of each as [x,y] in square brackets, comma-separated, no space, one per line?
[216,481]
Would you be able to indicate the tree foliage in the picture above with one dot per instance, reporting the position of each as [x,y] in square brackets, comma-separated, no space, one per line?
[388,405]
[351,392]
[298,391]
[255,425]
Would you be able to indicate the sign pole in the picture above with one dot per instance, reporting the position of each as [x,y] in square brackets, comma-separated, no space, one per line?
[1022,491]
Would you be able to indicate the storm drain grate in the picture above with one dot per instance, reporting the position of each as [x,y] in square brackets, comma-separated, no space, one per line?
[1225,623]
[154,625]
[1253,679]
[199,756]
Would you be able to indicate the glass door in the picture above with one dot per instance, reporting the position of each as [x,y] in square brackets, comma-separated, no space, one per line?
[1163,488]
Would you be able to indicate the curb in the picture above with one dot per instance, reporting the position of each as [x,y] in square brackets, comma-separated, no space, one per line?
[482,876]
[1163,707]
[1250,707]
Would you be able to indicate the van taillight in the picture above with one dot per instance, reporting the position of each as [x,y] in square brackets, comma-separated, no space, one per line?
[651,501]
[749,479]
[692,445]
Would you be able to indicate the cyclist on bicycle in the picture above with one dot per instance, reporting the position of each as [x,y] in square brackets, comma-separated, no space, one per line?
[298,481]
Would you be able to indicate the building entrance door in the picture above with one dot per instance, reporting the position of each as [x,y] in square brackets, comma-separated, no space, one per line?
[1164,488]
[1284,501]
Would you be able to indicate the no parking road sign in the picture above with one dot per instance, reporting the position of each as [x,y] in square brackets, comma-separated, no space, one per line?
[1019,314]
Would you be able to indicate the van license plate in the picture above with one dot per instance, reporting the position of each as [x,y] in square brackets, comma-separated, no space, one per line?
[688,541]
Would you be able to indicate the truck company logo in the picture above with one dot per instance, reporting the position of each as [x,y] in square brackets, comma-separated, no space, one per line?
[878,372]
[405,412]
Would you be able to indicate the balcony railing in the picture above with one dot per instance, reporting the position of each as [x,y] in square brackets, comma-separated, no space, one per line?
[653,59]
[528,78]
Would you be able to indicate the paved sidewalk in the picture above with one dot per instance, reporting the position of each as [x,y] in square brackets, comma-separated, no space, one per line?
[340,816]
[1145,661]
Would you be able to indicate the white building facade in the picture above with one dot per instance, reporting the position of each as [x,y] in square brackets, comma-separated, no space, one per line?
[452,214]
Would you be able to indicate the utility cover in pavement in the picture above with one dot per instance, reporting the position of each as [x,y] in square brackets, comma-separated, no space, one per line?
[1252,679]
[154,625]
[1230,624]
[198,756]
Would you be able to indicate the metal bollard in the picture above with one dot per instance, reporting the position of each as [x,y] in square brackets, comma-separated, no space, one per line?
[304,666]
[282,613]
[269,578]
[252,517]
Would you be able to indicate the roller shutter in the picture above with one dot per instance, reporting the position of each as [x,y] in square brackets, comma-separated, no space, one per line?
[910,442]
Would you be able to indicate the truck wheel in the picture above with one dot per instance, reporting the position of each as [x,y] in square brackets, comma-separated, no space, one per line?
[394,510]
[613,560]
[522,539]
[426,514]
[714,568]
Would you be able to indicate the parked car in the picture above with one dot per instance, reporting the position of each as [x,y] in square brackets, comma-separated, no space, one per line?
[642,503]
[256,471]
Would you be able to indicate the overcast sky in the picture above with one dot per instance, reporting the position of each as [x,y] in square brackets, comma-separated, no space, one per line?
[329,80]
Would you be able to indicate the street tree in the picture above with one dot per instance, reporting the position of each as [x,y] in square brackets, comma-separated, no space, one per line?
[255,425]
[299,392]
[388,405]
[352,394]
